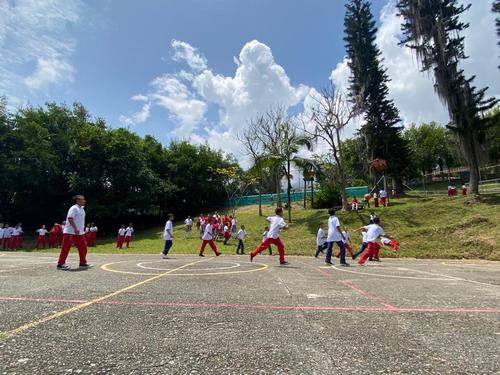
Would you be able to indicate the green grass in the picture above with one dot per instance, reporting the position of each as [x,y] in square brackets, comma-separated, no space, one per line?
[426,227]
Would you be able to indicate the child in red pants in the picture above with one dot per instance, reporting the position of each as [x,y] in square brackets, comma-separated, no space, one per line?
[208,238]
[276,223]
[347,243]
[390,242]
[373,232]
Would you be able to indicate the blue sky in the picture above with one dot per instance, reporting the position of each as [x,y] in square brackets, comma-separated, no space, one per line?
[199,69]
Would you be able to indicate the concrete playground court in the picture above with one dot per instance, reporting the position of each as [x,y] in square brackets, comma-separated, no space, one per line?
[139,314]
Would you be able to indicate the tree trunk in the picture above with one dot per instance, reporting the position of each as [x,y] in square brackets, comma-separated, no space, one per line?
[288,191]
[278,187]
[305,192]
[260,201]
[470,151]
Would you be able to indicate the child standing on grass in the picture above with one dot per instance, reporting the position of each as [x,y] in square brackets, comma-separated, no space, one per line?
[264,236]
[121,236]
[276,223]
[129,232]
[227,234]
[40,239]
[208,238]
[354,204]
[464,190]
[320,240]
[241,238]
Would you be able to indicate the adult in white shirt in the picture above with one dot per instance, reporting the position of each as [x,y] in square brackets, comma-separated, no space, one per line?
[168,234]
[276,223]
[208,238]
[73,232]
[335,236]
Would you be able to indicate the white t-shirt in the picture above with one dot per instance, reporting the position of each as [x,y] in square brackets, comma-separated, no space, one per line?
[168,227]
[188,222]
[373,231]
[233,224]
[346,236]
[375,195]
[129,231]
[276,223]
[207,235]
[15,232]
[93,229]
[333,234]
[1,233]
[385,240]
[242,234]
[363,236]
[383,194]
[320,237]
[78,214]
[7,232]
[226,228]
[121,232]
[42,232]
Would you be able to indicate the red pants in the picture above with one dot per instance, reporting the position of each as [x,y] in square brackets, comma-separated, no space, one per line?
[372,249]
[15,241]
[211,244]
[394,245]
[119,241]
[127,240]
[81,245]
[40,241]
[271,241]
[375,201]
[92,238]
[52,239]
[349,249]
[382,201]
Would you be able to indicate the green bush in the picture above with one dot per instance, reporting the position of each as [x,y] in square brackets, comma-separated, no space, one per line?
[329,196]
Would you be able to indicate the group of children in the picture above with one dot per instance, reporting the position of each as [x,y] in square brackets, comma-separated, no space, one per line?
[379,199]
[124,236]
[369,249]
[452,190]
[11,238]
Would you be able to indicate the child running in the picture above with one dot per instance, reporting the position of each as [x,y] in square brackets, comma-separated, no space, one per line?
[373,231]
[264,236]
[320,240]
[241,238]
[208,238]
[364,244]
[390,242]
[276,223]
[347,243]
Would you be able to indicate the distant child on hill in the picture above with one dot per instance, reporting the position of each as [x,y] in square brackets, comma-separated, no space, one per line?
[383,197]
[464,190]
[354,204]
[264,236]
[375,199]
[129,232]
[366,200]
[241,238]
[320,240]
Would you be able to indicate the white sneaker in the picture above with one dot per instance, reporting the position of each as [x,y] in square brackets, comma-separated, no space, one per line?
[163,256]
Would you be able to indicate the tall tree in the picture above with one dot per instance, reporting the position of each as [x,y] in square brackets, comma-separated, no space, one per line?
[496,9]
[330,114]
[369,92]
[432,28]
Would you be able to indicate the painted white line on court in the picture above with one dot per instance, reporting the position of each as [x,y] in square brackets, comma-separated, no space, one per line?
[236,265]
[390,276]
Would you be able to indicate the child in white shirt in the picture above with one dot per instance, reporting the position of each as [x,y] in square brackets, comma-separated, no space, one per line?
[320,240]
[241,238]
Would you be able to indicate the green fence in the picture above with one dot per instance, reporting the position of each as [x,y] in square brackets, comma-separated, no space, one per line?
[267,199]
[357,191]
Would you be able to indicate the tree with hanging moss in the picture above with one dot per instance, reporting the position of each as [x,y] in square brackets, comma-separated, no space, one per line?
[369,92]
[432,29]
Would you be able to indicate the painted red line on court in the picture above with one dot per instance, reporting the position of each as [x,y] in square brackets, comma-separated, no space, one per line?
[364,293]
[367,294]
[266,307]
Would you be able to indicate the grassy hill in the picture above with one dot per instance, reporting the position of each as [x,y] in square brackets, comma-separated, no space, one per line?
[434,227]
